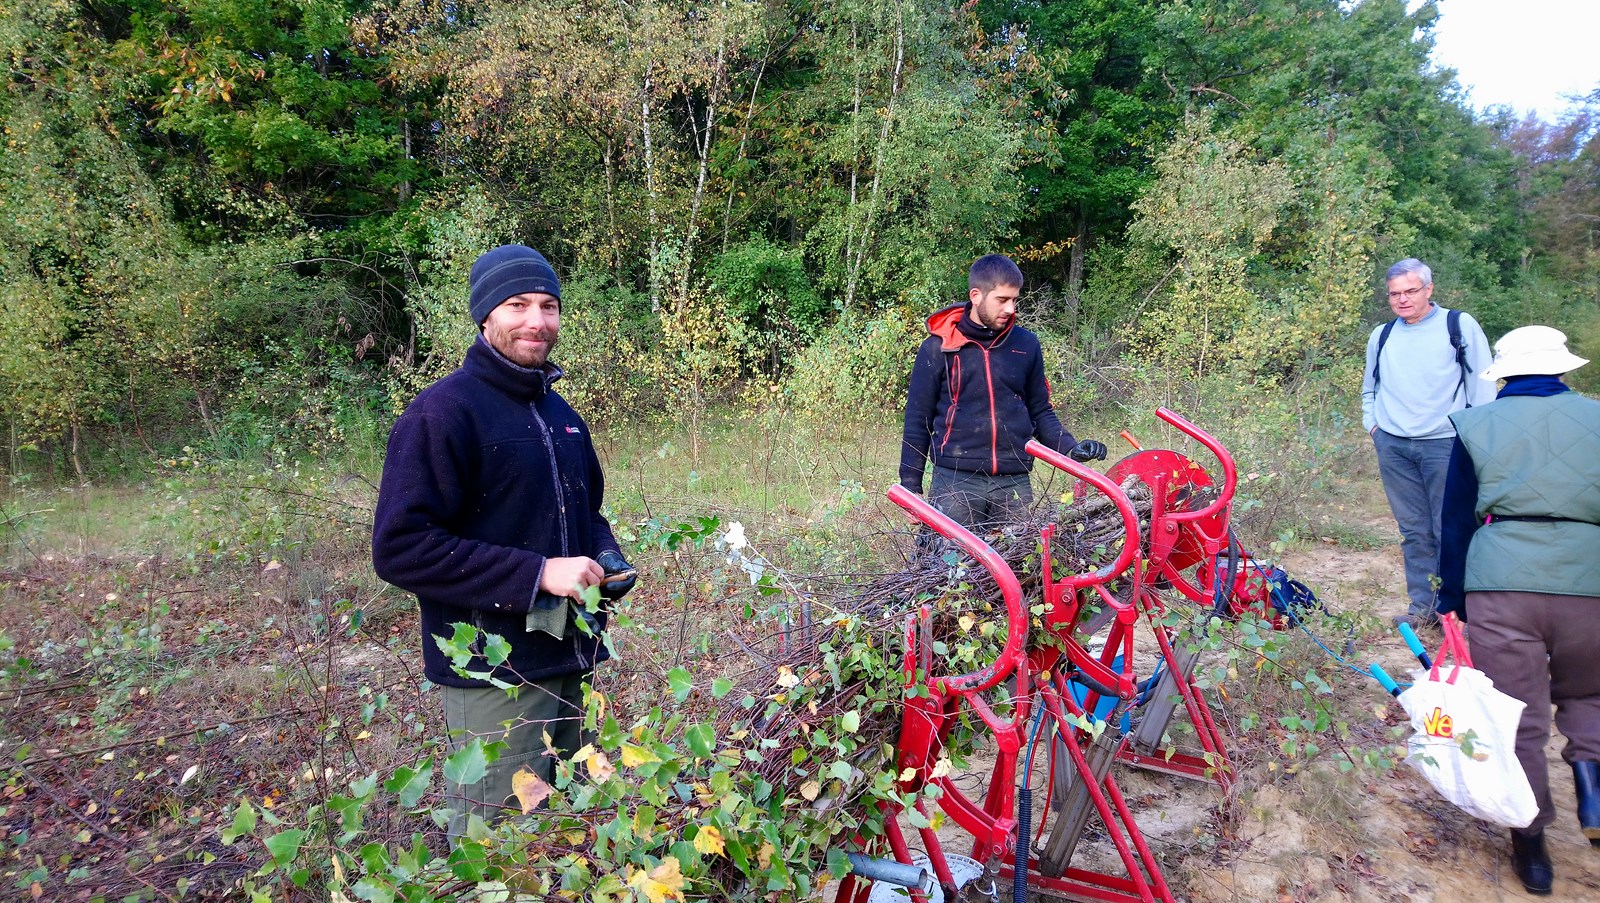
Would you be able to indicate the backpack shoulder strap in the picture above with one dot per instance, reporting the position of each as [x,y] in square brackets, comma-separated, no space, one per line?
[1377,356]
[1453,323]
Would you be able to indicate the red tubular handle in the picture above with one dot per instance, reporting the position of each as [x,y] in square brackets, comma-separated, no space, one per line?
[1016,616]
[1130,518]
[1230,476]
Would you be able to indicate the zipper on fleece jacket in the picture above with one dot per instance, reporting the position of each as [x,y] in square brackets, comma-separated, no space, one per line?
[555,477]
[561,508]
[994,428]
[955,394]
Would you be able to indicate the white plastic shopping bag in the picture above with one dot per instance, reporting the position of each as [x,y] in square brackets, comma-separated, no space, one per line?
[1466,735]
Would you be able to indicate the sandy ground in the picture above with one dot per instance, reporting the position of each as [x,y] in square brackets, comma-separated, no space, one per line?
[1399,839]
[1382,837]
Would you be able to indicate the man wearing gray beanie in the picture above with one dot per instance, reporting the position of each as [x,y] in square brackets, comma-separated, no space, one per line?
[489,511]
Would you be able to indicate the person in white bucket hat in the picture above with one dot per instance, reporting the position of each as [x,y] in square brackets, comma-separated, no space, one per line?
[1520,557]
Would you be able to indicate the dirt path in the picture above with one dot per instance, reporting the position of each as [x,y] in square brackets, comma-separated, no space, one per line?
[1395,839]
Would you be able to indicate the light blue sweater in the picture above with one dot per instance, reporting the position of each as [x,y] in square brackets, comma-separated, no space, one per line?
[1421,382]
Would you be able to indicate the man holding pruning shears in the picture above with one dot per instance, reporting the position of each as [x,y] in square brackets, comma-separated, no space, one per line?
[489,511]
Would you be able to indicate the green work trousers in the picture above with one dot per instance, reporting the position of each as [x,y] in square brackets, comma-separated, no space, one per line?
[553,705]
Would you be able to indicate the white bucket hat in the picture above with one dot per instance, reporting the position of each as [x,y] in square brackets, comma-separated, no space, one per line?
[1530,350]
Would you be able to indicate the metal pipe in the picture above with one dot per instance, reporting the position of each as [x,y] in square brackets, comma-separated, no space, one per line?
[890,872]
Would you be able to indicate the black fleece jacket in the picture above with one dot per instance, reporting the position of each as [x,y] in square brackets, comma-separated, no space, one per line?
[977,396]
[488,473]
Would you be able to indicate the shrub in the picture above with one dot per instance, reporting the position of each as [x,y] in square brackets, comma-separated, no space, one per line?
[856,370]
[767,287]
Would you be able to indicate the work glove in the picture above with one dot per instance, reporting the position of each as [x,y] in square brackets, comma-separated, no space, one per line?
[1088,450]
[620,575]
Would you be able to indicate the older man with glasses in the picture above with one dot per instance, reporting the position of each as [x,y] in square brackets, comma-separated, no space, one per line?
[1418,373]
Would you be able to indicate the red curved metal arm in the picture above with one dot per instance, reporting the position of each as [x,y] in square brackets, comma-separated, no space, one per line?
[1130,518]
[1230,476]
[1016,616]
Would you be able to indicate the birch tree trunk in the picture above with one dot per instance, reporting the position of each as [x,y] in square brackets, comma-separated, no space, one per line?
[859,260]
[704,149]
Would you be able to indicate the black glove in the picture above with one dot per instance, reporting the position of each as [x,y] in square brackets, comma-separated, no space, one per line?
[620,575]
[1088,450]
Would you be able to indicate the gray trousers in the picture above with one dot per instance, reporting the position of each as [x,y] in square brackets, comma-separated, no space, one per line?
[1539,648]
[553,705]
[1413,478]
[979,501]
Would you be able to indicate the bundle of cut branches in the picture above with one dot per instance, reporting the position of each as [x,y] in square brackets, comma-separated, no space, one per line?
[799,673]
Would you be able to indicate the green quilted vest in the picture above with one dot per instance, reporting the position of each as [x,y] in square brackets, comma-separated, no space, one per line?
[1535,457]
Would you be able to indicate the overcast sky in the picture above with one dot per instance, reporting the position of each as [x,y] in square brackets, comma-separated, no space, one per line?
[1523,53]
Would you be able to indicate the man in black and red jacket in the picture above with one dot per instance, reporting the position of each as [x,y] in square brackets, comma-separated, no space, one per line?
[978,394]
[489,512]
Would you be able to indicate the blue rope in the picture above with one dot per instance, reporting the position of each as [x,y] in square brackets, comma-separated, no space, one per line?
[1288,609]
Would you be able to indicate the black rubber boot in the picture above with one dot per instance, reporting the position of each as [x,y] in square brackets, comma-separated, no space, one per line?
[1531,862]
[1586,779]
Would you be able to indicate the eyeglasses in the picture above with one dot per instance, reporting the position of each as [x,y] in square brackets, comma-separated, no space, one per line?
[1407,294]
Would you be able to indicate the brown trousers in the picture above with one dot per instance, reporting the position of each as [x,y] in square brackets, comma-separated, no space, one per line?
[1541,648]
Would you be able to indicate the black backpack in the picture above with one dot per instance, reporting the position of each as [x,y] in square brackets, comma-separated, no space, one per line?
[1453,324]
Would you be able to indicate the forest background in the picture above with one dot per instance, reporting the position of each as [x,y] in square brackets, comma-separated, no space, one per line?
[244,226]
[234,243]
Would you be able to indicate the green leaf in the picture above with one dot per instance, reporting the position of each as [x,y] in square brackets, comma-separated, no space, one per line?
[244,823]
[681,682]
[466,765]
[371,890]
[496,649]
[851,721]
[284,845]
[467,862]
[410,783]
[721,687]
[363,787]
[840,771]
[459,645]
[702,739]
[838,862]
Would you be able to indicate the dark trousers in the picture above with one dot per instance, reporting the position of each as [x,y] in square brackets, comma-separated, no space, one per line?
[979,501]
[1540,648]
[1413,479]
[553,705]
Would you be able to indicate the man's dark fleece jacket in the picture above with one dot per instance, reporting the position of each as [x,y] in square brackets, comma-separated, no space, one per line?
[489,472]
[977,396]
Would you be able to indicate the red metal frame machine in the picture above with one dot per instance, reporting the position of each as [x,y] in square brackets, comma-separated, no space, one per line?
[1185,539]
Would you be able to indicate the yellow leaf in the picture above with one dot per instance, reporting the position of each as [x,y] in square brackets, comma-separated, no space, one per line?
[809,790]
[966,622]
[600,767]
[709,841]
[634,756]
[764,855]
[660,884]
[530,789]
[941,768]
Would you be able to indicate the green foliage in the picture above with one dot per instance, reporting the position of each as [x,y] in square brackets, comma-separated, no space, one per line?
[913,173]
[1210,212]
[856,371]
[277,96]
[766,286]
